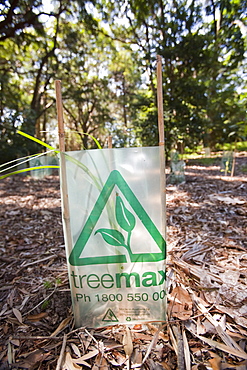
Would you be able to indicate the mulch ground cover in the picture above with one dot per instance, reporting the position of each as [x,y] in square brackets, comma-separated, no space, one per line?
[206,324]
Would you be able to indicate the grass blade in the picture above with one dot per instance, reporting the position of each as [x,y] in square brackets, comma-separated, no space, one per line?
[37,140]
[26,170]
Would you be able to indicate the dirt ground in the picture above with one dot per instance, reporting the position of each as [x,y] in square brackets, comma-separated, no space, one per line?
[206,326]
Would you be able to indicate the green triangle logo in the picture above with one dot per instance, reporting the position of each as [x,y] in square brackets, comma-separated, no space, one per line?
[126,221]
[110,316]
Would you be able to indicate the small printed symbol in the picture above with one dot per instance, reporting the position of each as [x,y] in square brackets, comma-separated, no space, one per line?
[128,318]
[110,316]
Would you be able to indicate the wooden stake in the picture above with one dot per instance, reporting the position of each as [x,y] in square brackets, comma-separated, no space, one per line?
[160,102]
[233,159]
[161,142]
[59,105]
[64,187]
[110,142]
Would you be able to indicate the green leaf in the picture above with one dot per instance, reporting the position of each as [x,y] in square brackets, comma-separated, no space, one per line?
[94,139]
[49,146]
[36,140]
[26,170]
[125,218]
[112,237]
[20,161]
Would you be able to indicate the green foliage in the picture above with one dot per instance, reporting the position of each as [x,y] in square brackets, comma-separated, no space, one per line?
[49,284]
[17,15]
[239,146]
[205,161]
[105,54]
[45,305]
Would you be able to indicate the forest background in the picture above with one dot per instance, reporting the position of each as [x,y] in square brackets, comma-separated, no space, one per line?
[104,52]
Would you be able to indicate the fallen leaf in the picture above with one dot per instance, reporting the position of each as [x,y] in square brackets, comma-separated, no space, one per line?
[137,356]
[4,309]
[69,364]
[223,347]
[61,326]
[181,306]
[87,356]
[226,199]
[38,317]
[127,342]
[75,349]
[33,359]
[17,314]
[15,342]
[137,327]
[143,336]
[116,358]
[100,363]
[10,353]
[215,363]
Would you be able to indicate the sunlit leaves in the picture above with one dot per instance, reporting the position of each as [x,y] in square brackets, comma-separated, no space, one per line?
[106,59]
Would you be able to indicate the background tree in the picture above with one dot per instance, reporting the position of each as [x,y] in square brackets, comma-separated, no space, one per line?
[30,55]
[17,15]
[105,54]
[83,71]
[201,68]
[125,79]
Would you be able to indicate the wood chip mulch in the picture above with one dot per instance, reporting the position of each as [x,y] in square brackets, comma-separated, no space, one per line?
[206,326]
